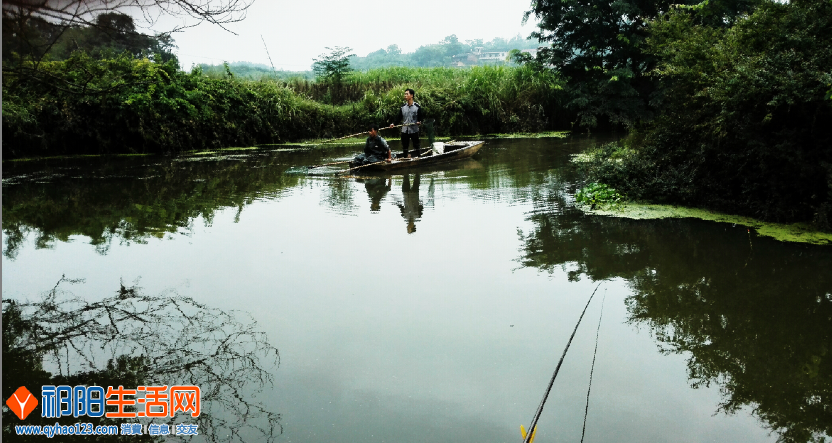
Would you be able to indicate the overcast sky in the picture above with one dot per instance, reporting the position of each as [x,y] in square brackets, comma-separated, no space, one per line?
[296,32]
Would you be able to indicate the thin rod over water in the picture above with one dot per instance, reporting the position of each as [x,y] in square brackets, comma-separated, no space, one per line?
[592,371]
[362,133]
[557,369]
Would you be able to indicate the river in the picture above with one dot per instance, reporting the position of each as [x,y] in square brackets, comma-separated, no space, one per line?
[435,305]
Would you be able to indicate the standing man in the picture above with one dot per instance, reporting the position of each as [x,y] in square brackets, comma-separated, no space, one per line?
[411,116]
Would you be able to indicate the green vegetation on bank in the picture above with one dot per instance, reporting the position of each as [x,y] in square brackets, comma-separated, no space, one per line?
[104,88]
[728,102]
[127,105]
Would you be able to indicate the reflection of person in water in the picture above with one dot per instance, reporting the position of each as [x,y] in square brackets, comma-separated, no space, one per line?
[377,189]
[411,208]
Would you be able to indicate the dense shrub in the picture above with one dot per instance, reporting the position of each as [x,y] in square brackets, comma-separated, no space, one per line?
[745,124]
[88,106]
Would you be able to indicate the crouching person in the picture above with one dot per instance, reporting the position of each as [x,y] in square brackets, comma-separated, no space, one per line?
[375,149]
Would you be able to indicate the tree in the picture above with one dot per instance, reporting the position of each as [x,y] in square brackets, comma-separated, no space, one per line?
[744,111]
[452,46]
[599,46]
[38,25]
[394,50]
[84,12]
[32,28]
[114,33]
[333,67]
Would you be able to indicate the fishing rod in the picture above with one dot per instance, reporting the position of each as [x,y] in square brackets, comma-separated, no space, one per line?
[592,370]
[365,132]
[527,437]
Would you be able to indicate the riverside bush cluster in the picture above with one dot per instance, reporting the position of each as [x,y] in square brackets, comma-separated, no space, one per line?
[83,105]
[744,121]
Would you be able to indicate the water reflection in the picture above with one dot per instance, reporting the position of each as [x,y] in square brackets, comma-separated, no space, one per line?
[377,189]
[132,339]
[411,207]
[132,200]
[409,203]
[752,315]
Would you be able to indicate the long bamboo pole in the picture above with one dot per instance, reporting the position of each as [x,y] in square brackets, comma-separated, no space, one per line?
[359,167]
[328,164]
[365,132]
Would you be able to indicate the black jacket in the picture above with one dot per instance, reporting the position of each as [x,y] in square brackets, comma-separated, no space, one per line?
[376,146]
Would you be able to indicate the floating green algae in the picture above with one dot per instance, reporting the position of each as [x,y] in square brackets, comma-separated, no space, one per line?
[63,157]
[548,134]
[214,151]
[360,140]
[592,155]
[245,148]
[796,232]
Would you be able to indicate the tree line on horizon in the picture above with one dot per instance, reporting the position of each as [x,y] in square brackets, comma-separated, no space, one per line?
[444,53]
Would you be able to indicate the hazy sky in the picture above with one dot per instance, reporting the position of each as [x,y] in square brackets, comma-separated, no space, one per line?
[298,31]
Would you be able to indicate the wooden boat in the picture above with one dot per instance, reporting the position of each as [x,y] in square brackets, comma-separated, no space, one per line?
[454,150]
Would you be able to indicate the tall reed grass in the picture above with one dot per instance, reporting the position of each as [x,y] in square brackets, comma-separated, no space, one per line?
[87,106]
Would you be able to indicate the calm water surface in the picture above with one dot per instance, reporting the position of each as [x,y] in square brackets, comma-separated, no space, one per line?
[434,305]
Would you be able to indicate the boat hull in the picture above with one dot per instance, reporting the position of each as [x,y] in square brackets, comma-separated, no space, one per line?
[453,151]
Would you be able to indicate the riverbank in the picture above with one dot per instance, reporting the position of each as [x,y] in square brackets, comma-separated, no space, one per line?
[609,163]
[793,232]
[125,105]
[355,142]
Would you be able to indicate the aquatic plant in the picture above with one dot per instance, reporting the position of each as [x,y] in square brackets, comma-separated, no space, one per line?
[598,193]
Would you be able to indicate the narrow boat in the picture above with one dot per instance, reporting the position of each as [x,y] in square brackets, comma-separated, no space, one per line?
[453,151]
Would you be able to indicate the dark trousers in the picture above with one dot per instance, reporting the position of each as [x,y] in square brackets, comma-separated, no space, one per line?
[406,138]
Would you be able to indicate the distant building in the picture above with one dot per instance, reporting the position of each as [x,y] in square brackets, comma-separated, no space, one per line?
[499,55]
[478,55]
